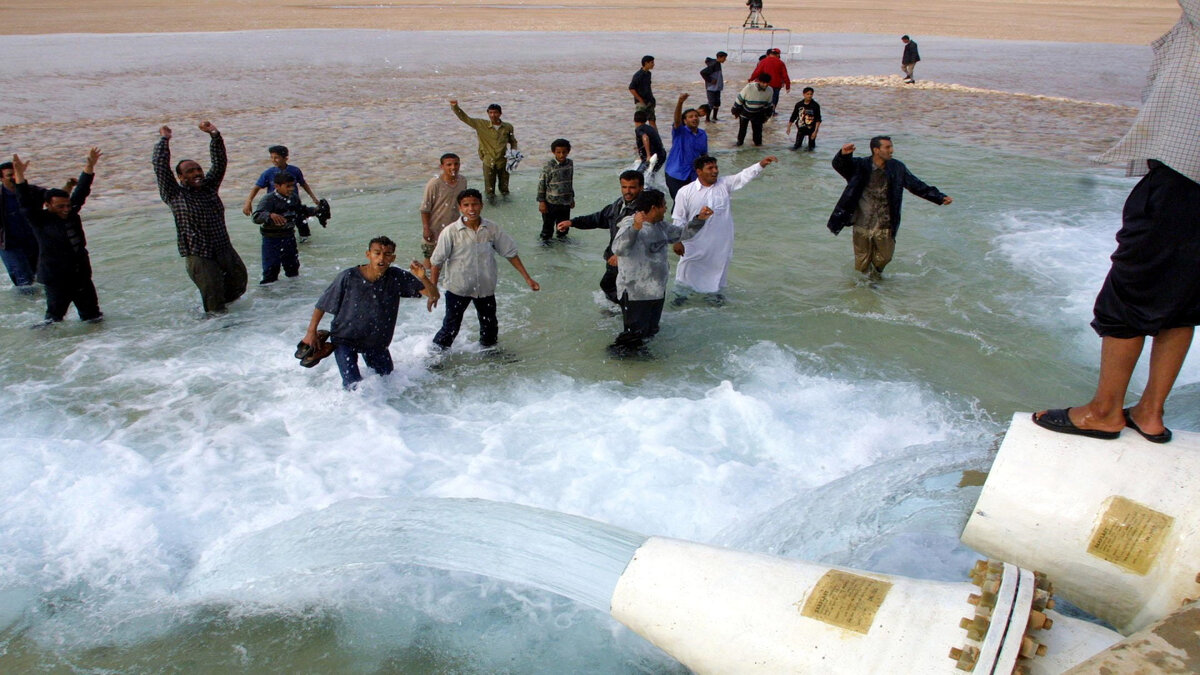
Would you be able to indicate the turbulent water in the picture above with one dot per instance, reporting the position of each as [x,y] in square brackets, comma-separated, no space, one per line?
[177,494]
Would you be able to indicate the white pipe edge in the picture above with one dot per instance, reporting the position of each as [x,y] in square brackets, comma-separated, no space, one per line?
[722,611]
[1114,523]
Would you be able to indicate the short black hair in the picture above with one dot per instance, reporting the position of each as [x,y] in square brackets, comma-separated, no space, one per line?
[808,89]
[449,155]
[878,141]
[904,37]
[703,161]
[647,200]
[560,143]
[382,241]
[640,116]
[647,59]
[6,165]
[178,172]
[633,175]
[54,192]
[720,54]
[469,192]
[278,150]
[283,177]
[764,78]
[496,107]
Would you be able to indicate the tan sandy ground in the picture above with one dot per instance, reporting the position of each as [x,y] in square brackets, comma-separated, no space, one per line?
[1113,21]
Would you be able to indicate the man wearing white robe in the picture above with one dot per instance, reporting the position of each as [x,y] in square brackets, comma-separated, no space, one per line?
[706,257]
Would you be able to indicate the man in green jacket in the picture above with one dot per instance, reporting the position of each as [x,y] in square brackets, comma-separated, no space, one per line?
[495,137]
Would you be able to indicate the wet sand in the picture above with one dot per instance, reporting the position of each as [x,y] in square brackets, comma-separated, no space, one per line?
[1112,21]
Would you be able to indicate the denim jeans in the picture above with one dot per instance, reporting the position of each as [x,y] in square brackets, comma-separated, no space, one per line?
[456,306]
[378,360]
[21,265]
[276,252]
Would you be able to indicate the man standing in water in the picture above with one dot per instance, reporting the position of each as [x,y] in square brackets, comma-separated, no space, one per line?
[439,203]
[495,136]
[608,217]
[639,88]
[1152,287]
[18,247]
[212,263]
[688,141]
[706,258]
[908,60]
[871,202]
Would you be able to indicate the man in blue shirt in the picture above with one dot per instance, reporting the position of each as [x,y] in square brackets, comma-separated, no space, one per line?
[18,248]
[688,142]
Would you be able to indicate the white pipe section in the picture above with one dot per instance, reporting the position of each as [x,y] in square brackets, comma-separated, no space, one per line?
[1115,524]
[722,611]
[1168,647]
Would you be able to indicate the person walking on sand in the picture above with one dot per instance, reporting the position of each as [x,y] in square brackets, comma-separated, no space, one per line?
[871,202]
[1152,288]
[203,241]
[908,60]
[495,136]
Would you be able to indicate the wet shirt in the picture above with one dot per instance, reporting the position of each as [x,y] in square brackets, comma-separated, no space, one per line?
[686,146]
[199,213]
[289,207]
[467,257]
[440,201]
[16,234]
[872,211]
[705,261]
[266,180]
[799,116]
[642,266]
[493,139]
[656,144]
[364,312]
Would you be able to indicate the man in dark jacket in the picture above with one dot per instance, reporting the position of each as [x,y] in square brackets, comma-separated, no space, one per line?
[871,202]
[63,263]
[714,83]
[608,217]
[18,248]
[909,59]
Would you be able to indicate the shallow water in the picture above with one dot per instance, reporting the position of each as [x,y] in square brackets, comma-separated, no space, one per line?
[178,494]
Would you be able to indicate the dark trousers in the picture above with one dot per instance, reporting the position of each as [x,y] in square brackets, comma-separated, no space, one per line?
[801,132]
[608,283]
[640,318]
[302,228]
[221,280]
[674,184]
[79,290]
[775,98]
[755,121]
[714,104]
[378,360]
[555,214]
[456,306]
[21,264]
[277,252]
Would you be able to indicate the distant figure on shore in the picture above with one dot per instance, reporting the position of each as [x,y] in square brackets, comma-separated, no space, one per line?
[688,141]
[608,218]
[755,18]
[714,83]
[1152,287]
[704,266]
[266,181]
[556,189]
[18,247]
[63,264]
[908,60]
[495,137]
[641,248]
[365,301]
[279,216]
[871,202]
[807,118]
[212,263]
[648,143]
[439,202]
[465,257]
[639,88]
[754,107]
[774,66]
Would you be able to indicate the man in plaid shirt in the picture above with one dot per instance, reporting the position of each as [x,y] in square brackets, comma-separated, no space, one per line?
[1152,287]
[212,263]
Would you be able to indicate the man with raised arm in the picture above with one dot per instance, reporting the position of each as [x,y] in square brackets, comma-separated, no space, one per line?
[212,263]
[688,141]
[495,137]
[705,262]
[607,218]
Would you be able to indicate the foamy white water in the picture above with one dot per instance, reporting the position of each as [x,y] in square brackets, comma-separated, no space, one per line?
[176,490]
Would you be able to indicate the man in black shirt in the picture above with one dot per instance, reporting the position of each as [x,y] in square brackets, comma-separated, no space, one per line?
[639,86]
[807,118]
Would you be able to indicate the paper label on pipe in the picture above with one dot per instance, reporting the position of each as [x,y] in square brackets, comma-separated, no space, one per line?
[846,600]
[1130,535]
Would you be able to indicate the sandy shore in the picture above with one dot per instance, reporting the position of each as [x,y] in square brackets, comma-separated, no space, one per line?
[1111,21]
